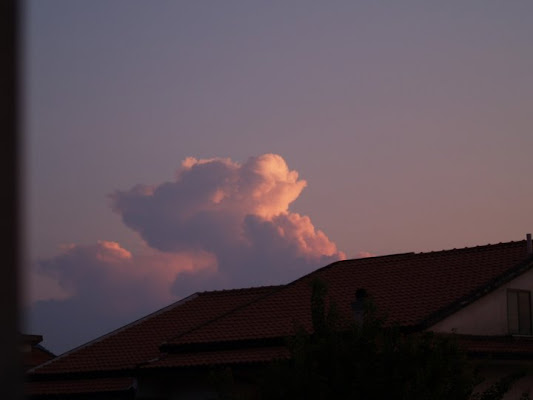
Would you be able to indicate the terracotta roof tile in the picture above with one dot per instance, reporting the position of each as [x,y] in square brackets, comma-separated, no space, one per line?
[139,341]
[36,356]
[409,288]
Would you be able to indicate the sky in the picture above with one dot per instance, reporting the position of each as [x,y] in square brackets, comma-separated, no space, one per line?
[179,146]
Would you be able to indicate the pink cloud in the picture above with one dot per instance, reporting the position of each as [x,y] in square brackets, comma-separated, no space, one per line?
[103,285]
[113,272]
[239,213]
[218,224]
[262,186]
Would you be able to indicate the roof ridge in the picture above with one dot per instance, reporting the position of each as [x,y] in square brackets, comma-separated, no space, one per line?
[40,347]
[466,248]
[379,256]
[118,330]
[223,315]
[472,248]
[281,288]
[239,289]
[413,253]
[360,259]
[326,267]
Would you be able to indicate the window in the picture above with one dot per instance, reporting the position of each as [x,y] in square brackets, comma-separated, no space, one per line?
[519,311]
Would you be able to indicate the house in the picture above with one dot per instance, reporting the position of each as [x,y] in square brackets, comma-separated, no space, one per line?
[106,367]
[482,294]
[33,353]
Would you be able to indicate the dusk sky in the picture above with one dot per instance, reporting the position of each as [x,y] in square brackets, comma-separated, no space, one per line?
[181,146]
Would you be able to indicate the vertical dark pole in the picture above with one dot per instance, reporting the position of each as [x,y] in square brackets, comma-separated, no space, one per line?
[11,372]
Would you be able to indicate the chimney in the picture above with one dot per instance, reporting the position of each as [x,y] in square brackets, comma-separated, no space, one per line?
[358,306]
[529,244]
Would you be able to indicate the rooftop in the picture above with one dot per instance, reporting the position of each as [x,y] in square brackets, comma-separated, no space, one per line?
[139,341]
[413,289]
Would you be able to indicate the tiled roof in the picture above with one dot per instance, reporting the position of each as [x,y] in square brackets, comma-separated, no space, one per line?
[409,288]
[78,386]
[138,342]
[36,356]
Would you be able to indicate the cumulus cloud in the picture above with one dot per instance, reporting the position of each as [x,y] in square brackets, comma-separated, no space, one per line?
[104,286]
[218,224]
[239,213]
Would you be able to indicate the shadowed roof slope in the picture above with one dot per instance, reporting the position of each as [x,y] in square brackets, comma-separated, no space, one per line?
[138,342]
[410,288]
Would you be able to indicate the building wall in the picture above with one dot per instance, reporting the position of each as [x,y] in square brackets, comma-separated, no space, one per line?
[487,315]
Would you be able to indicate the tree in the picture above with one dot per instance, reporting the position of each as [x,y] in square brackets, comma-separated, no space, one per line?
[367,360]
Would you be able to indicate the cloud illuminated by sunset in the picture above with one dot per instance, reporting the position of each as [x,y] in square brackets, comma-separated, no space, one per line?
[218,225]
[237,212]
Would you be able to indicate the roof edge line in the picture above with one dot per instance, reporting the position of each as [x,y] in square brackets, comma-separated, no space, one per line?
[216,318]
[279,289]
[116,331]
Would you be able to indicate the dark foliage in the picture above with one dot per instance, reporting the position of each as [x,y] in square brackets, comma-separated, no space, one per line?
[367,361]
